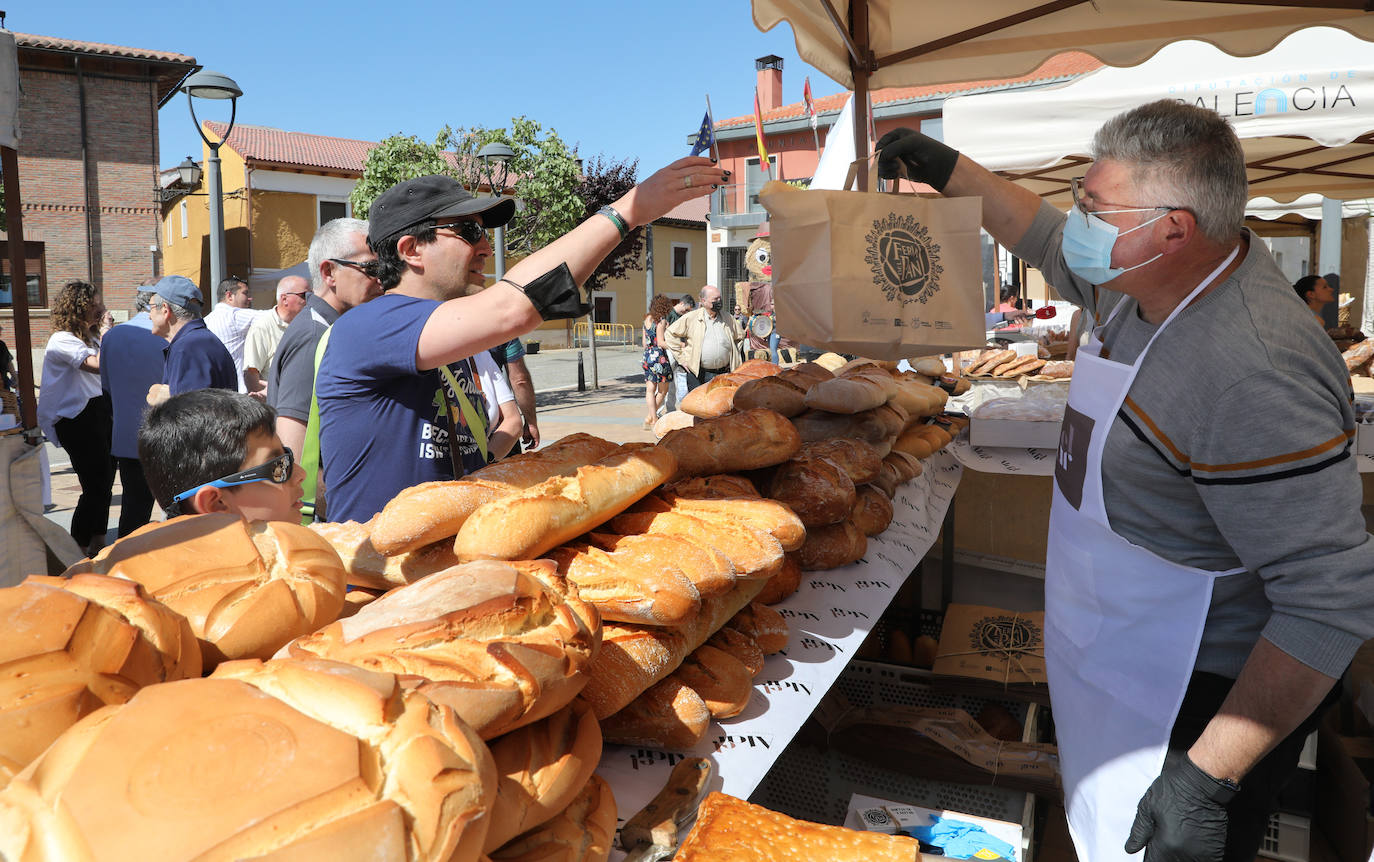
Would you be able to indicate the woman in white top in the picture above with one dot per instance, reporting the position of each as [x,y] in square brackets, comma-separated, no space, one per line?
[73,412]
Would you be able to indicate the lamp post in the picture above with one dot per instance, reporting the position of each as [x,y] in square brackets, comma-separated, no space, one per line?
[495,168]
[212,85]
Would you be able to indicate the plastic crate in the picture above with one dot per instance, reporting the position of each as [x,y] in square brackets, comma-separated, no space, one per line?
[1287,837]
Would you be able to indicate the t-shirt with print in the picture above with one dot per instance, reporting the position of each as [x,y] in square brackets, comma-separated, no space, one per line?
[384,424]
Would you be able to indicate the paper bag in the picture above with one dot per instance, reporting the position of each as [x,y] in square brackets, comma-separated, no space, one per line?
[1004,647]
[883,276]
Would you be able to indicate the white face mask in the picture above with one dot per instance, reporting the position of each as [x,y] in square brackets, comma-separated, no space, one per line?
[1089,241]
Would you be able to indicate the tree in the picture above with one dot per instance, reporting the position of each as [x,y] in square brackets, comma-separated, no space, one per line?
[399,157]
[603,182]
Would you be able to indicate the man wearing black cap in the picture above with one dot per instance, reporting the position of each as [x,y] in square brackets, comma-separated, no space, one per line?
[398,402]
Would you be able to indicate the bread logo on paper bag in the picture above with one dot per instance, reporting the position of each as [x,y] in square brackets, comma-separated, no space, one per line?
[1004,636]
[904,259]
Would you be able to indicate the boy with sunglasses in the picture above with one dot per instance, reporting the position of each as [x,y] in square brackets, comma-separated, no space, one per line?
[212,450]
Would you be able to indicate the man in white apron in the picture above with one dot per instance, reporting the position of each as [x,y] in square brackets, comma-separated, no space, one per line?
[1195,619]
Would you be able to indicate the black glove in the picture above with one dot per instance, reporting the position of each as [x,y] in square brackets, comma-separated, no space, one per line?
[555,294]
[910,154]
[1182,817]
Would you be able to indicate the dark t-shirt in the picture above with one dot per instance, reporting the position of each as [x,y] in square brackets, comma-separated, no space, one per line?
[131,360]
[5,359]
[197,359]
[291,378]
[384,424]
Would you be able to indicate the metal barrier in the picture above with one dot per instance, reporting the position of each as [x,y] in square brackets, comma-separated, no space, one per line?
[606,333]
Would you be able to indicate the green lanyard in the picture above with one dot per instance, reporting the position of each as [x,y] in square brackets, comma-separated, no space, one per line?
[310,457]
[477,423]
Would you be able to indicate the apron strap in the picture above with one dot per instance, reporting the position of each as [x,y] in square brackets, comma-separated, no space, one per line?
[478,424]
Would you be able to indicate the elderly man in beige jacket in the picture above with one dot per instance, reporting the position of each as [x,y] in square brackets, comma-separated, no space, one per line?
[705,341]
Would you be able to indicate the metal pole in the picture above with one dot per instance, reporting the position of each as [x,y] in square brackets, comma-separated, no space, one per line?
[217,273]
[648,267]
[858,12]
[500,253]
[591,331]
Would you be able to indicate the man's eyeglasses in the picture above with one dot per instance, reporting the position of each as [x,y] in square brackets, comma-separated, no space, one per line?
[301,294]
[278,471]
[470,232]
[1080,203]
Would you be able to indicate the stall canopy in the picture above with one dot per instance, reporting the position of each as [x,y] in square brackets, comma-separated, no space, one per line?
[891,43]
[1304,112]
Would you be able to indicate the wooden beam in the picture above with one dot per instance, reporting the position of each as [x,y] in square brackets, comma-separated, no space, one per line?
[19,288]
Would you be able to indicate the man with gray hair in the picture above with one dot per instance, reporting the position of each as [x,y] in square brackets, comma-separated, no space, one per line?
[266,332]
[1208,575]
[195,357]
[705,341]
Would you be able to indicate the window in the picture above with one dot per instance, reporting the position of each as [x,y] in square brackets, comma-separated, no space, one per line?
[34,271]
[754,178]
[732,267]
[183,219]
[682,260]
[330,210]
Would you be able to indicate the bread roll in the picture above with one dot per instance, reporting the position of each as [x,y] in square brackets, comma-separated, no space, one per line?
[367,567]
[432,511]
[286,760]
[763,625]
[582,832]
[722,680]
[722,485]
[732,830]
[69,647]
[831,361]
[741,441]
[246,588]
[924,650]
[669,714]
[540,769]
[914,443]
[739,645]
[817,489]
[779,394]
[756,555]
[503,645]
[832,546]
[632,658]
[784,583]
[770,516]
[709,571]
[630,586]
[526,524]
[872,510]
[859,459]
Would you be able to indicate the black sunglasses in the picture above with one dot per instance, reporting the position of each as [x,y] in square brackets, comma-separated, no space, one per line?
[365,268]
[278,471]
[470,232]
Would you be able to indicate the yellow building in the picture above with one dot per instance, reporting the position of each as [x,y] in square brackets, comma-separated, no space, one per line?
[279,187]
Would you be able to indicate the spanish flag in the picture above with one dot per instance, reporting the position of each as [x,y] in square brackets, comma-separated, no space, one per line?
[758,135]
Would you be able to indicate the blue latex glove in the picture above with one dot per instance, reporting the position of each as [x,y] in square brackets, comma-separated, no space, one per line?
[960,839]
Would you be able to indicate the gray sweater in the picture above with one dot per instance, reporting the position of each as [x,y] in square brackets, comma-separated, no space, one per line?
[1234,449]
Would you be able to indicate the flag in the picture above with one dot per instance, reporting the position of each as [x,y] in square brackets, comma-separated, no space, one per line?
[706,136]
[810,105]
[758,134]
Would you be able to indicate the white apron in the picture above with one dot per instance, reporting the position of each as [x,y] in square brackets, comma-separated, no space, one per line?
[1122,625]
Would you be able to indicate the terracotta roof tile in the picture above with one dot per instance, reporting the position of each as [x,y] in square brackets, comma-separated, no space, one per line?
[260,143]
[1064,65]
[29,40]
[693,210]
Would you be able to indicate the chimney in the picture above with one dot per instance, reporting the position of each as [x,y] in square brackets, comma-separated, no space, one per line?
[770,81]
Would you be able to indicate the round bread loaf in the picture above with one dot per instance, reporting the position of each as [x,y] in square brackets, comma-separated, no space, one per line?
[832,546]
[69,647]
[872,510]
[284,760]
[247,588]
[503,644]
[817,489]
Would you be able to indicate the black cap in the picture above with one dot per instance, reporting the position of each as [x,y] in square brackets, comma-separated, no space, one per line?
[411,202]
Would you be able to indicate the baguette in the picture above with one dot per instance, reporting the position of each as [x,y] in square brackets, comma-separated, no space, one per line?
[872,511]
[632,658]
[1057,370]
[763,625]
[709,573]
[784,583]
[740,441]
[832,547]
[986,364]
[431,511]
[1022,365]
[540,769]
[756,555]
[367,567]
[621,587]
[580,833]
[817,489]
[774,518]
[525,525]
[722,680]
[669,714]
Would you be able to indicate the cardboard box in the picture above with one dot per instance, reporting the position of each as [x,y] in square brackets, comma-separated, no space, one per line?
[894,813]
[1017,433]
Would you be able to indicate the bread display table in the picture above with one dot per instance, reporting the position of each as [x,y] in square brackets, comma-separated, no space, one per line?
[829,615]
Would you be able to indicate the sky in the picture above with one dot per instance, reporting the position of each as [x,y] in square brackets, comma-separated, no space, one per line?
[614,78]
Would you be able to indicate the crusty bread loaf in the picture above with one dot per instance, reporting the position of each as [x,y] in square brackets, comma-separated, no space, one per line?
[854,392]
[917,397]
[287,760]
[930,366]
[530,522]
[876,426]
[69,647]
[432,511]
[732,830]
[914,443]
[817,489]
[632,658]
[710,571]
[872,510]
[582,832]
[621,587]
[739,645]
[671,421]
[770,516]
[540,769]
[504,645]
[715,397]
[1019,366]
[1058,370]
[755,369]
[246,588]
[367,567]
[908,466]
[740,441]
[669,714]
[784,583]
[763,625]
[756,555]
[859,459]
[722,680]
[778,394]
[832,546]
[721,485]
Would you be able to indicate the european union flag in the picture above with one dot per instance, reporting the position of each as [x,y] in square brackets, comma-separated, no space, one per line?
[706,136]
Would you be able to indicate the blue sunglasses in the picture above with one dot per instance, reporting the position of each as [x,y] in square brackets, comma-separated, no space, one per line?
[278,471]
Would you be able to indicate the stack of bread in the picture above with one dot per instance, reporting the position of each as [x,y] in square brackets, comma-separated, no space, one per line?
[999,364]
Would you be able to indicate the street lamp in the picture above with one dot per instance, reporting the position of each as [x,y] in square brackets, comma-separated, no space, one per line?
[212,85]
[496,170]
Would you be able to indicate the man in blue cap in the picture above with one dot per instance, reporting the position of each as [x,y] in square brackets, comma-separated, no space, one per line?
[195,358]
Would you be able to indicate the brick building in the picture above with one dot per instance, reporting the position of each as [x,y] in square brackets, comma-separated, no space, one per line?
[88,168]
